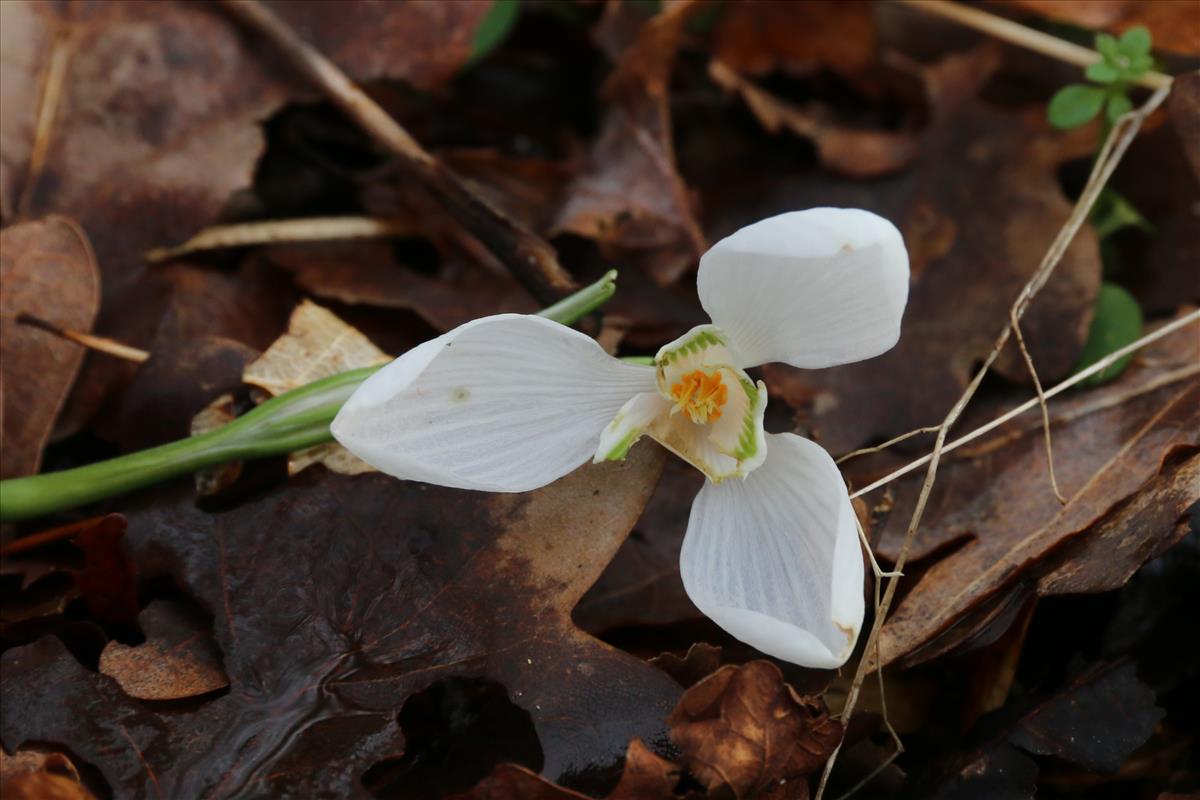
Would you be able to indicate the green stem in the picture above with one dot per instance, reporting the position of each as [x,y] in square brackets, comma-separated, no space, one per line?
[292,421]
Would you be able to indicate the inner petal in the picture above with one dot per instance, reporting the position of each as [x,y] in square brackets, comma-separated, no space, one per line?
[707,410]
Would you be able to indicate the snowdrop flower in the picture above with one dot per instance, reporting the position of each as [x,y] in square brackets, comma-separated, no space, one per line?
[510,403]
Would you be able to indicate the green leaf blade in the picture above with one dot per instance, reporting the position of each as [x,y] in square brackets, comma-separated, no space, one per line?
[1117,105]
[494,28]
[1102,72]
[1135,42]
[1075,105]
[1117,322]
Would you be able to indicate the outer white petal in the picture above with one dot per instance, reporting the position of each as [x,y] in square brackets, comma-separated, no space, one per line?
[775,559]
[809,288]
[502,404]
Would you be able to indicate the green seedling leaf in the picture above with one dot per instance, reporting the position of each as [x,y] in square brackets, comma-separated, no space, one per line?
[1107,47]
[1118,104]
[494,28]
[1075,105]
[1134,42]
[1102,72]
[1118,322]
[1114,212]
[1139,65]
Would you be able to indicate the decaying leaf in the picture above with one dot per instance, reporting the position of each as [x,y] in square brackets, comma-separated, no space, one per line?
[47,270]
[631,196]
[334,599]
[701,660]
[646,776]
[1110,444]
[137,167]
[367,273]
[856,152]
[744,728]
[756,37]
[316,345]
[178,659]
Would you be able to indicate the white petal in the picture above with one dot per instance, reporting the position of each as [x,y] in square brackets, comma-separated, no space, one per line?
[809,288]
[775,559]
[731,447]
[629,424]
[503,404]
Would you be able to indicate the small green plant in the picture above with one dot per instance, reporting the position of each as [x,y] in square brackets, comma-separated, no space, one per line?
[1118,318]
[1122,62]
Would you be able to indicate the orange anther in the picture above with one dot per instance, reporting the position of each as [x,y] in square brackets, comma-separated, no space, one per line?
[701,395]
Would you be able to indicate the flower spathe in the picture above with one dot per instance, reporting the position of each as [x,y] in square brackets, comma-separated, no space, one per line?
[510,403]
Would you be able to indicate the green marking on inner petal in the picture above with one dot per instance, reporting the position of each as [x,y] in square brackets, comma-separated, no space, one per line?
[748,439]
[621,448]
[701,341]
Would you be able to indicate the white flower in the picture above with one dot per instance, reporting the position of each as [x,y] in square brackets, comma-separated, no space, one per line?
[512,402]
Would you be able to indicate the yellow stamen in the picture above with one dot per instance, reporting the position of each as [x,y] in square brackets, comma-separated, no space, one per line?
[701,395]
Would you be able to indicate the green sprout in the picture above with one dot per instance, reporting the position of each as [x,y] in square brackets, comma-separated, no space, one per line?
[1122,61]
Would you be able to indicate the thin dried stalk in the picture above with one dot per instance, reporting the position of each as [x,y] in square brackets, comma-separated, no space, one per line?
[56,73]
[100,344]
[308,229]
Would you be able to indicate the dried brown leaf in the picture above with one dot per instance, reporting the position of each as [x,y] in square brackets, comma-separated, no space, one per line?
[47,270]
[1173,24]
[755,37]
[317,345]
[631,196]
[139,168]
[854,152]
[38,775]
[646,777]
[744,728]
[178,659]
[1111,444]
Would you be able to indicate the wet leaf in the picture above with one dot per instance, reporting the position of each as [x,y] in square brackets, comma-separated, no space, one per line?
[333,600]
[47,270]
[1096,722]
